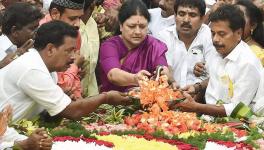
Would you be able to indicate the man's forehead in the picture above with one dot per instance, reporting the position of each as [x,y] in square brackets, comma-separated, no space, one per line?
[73,12]
[220,25]
[188,8]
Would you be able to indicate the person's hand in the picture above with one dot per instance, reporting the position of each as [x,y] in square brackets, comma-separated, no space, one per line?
[188,105]
[141,75]
[83,72]
[78,60]
[100,19]
[112,19]
[174,85]
[199,69]
[7,60]
[38,140]
[69,91]
[4,118]
[190,89]
[117,98]
[24,48]
[168,72]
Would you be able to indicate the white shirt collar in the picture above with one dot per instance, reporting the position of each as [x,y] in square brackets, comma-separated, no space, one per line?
[173,30]
[234,54]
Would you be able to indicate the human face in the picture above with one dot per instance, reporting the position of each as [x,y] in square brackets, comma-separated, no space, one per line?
[134,30]
[167,7]
[224,39]
[27,32]
[70,16]
[64,55]
[188,21]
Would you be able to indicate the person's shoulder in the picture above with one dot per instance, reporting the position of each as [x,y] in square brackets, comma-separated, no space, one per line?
[111,45]
[205,30]
[154,11]
[155,43]
[113,39]
[247,55]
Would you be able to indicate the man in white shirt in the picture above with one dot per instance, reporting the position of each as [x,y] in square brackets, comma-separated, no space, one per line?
[27,85]
[20,21]
[188,42]
[234,70]
[161,17]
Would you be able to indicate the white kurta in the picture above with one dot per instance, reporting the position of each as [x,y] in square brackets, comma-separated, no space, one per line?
[183,60]
[158,23]
[233,79]
[27,85]
[6,46]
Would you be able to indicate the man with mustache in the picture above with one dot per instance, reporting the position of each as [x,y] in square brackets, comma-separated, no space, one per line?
[188,42]
[29,88]
[20,20]
[161,17]
[69,11]
[234,70]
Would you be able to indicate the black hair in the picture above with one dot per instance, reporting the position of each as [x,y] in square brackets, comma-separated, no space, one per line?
[132,7]
[229,13]
[87,4]
[53,32]
[200,4]
[99,2]
[61,9]
[19,15]
[255,17]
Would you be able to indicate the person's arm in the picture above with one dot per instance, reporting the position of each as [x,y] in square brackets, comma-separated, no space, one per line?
[111,66]
[213,110]
[7,59]
[123,78]
[51,97]
[76,110]
[190,105]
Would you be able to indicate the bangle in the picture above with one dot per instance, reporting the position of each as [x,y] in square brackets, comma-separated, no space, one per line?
[106,97]
[197,88]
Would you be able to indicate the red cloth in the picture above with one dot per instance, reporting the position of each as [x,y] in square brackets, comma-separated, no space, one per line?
[70,79]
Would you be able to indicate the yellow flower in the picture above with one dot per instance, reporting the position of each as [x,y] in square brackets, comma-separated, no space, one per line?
[133,143]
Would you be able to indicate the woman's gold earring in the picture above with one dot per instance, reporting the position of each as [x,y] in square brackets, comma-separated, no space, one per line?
[251,31]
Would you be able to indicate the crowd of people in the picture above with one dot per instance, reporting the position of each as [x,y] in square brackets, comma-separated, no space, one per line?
[67,57]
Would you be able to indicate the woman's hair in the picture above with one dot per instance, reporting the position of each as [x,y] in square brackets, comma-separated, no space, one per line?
[131,8]
[255,17]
